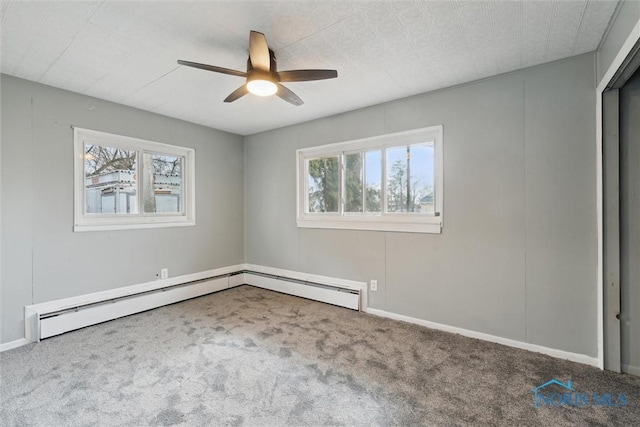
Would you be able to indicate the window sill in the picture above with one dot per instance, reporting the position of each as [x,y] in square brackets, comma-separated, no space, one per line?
[344,223]
[131,225]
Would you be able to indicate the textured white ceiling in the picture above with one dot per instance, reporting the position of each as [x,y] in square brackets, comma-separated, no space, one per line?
[126,52]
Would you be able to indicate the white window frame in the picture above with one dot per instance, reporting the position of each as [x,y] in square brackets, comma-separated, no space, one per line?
[97,222]
[408,222]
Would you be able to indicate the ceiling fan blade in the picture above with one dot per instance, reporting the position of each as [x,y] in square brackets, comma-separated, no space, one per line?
[288,95]
[213,68]
[306,75]
[259,51]
[236,94]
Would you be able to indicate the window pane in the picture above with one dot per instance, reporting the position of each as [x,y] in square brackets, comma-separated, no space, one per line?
[110,180]
[373,176]
[353,182]
[323,183]
[410,178]
[423,177]
[162,183]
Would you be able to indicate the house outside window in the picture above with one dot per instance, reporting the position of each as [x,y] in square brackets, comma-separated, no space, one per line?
[390,182]
[123,183]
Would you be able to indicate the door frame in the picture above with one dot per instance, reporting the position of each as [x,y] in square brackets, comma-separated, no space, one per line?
[618,61]
[611,229]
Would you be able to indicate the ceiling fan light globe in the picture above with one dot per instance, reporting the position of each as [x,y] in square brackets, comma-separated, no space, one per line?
[262,87]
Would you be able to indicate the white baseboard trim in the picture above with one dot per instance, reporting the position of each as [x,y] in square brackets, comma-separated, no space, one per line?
[14,344]
[560,354]
[630,369]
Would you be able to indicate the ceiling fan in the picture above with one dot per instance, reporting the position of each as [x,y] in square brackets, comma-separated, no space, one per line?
[263,77]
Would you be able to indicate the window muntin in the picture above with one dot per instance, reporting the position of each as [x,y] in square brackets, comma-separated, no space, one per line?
[124,182]
[392,182]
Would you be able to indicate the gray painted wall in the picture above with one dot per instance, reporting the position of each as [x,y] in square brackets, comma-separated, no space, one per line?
[620,28]
[43,259]
[517,257]
[630,222]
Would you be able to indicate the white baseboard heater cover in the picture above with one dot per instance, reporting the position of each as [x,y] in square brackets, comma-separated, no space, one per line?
[343,297]
[40,324]
[57,317]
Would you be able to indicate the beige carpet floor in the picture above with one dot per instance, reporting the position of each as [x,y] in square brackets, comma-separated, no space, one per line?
[248,356]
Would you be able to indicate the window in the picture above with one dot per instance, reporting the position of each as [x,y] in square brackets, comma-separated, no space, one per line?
[124,183]
[388,183]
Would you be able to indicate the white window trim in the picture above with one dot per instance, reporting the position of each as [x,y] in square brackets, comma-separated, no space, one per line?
[84,222]
[399,222]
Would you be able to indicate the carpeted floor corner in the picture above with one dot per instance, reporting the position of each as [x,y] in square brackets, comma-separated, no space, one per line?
[249,356]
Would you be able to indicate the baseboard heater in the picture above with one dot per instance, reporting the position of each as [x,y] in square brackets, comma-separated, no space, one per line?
[57,317]
[340,295]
